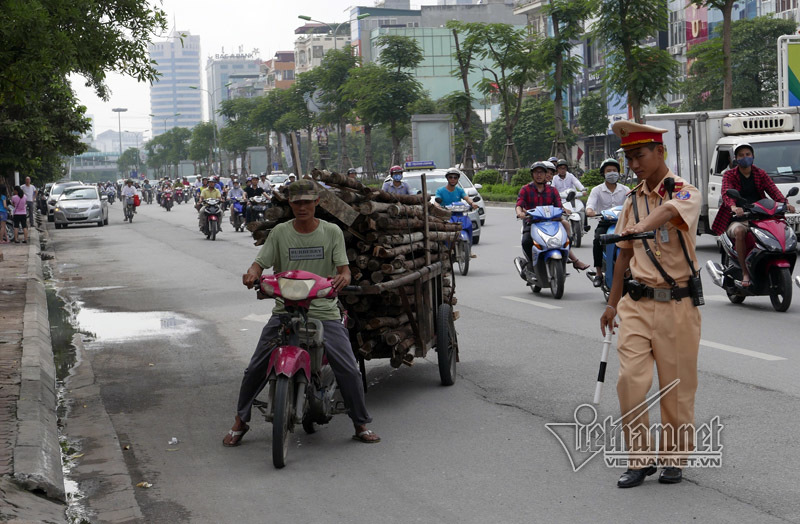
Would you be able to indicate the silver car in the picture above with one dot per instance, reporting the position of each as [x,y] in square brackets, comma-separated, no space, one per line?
[55,192]
[80,205]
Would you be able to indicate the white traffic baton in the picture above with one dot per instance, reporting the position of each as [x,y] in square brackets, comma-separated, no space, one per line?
[601,375]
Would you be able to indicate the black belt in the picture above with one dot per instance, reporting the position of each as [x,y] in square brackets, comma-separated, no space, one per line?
[665,294]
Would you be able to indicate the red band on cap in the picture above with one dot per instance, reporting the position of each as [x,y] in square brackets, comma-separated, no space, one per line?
[642,137]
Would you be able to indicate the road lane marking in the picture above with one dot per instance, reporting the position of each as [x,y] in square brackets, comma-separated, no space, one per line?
[257,318]
[740,351]
[532,302]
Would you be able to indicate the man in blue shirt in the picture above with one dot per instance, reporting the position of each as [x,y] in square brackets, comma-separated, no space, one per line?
[452,192]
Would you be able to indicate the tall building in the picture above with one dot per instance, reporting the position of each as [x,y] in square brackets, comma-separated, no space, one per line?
[172,102]
[219,70]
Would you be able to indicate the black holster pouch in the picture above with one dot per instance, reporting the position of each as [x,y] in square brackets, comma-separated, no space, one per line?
[635,289]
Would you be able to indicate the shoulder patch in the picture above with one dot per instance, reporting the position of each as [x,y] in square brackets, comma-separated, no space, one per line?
[683,195]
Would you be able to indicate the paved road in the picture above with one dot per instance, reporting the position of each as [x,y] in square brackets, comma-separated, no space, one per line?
[174,329]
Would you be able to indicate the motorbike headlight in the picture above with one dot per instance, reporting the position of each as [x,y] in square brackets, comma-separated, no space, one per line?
[769,242]
[791,239]
[553,242]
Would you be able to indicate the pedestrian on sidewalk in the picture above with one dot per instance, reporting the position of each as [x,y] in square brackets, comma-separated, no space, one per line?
[4,208]
[20,203]
[30,194]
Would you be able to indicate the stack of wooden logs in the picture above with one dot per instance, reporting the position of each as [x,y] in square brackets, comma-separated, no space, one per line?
[385,241]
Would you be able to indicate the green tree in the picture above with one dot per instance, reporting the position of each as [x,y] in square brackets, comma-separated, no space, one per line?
[399,54]
[567,17]
[239,134]
[44,41]
[755,67]
[168,149]
[202,145]
[265,115]
[128,160]
[512,54]
[593,120]
[334,70]
[641,72]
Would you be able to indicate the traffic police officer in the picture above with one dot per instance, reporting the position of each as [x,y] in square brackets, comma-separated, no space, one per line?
[659,318]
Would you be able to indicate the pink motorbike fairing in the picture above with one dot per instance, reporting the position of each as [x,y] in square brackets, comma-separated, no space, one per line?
[288,361]
[774,226]
[271,287]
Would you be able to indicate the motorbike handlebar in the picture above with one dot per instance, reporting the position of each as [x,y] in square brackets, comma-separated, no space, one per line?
[613,239]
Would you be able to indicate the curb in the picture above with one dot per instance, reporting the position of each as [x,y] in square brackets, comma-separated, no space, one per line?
[37,452]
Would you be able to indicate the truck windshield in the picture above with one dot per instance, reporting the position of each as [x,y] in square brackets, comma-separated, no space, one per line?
[781,160]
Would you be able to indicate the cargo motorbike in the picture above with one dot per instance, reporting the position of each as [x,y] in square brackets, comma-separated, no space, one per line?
[771,254]
[300,382]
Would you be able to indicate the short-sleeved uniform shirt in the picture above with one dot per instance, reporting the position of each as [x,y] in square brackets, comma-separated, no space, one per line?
[686,200]
[319,252]
[450,197]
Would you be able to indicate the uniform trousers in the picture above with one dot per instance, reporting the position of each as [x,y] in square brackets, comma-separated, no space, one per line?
[340,357]
[667,333]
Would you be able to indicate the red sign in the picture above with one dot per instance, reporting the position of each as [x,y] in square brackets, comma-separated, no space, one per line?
[696,24]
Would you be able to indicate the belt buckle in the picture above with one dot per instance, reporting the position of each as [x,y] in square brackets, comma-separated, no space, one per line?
[662,295]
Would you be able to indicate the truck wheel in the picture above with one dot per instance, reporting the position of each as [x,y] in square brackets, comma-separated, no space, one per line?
[281,420]
[446,344]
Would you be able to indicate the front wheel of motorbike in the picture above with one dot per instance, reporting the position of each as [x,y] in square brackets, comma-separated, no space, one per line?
[556,270]
[213,229]
[464,256]
[577,234]
[780,293]
[281,420]
[446,345]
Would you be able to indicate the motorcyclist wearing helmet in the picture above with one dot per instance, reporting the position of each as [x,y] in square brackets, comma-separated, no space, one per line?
[452,192]
[396,185]
[540,193]
[551,170]
[127,191]
[753,184]
[604,196]
[565,180]
[352,174]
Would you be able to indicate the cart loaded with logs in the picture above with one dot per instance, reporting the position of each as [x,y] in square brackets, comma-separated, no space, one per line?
[400,302]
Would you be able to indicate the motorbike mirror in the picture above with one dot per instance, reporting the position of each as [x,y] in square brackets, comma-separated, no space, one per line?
[476,199]
[734,194]
[793,191]
[571,197]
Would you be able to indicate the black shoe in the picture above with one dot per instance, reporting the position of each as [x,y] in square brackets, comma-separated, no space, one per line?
[597,281]
[670,475]
[634,477]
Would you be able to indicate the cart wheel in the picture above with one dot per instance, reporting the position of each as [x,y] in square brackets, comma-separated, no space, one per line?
[281,420]
[446,345]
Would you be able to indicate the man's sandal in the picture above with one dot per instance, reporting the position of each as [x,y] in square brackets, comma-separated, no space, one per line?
[364,436]
[235,437]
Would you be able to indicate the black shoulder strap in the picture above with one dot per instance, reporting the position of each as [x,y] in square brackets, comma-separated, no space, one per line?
[664,274]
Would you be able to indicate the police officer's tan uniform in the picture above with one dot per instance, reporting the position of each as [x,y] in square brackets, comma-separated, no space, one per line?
[667,332]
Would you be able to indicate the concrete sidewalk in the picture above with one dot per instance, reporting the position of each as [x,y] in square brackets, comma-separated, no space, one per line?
[31,479]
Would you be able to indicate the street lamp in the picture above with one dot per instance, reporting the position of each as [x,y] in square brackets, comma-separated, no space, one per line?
[119,111]
[165,119]
[336,30]
[211,116]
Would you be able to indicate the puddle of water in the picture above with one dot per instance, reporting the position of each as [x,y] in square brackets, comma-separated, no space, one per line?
[101,288]
[61,333]
[116,327]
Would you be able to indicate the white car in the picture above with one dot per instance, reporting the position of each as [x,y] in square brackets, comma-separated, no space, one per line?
[436,179]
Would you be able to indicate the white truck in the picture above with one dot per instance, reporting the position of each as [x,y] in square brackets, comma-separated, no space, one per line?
[700,149]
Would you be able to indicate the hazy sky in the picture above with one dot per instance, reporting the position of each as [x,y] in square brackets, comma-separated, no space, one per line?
[267,25]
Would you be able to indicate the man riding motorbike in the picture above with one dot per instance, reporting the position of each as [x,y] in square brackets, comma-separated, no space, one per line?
[287,248]
[753,184]
[127,191]
[604,196]
[565,180]
[539,193]
[396,186]
[452,192]
[210,191]
[250,191]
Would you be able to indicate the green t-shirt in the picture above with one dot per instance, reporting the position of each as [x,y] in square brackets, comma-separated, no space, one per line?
[319,252]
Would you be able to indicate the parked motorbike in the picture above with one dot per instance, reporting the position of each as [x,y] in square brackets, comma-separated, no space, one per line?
[550,252]
[178,195]
[771,254]
[576,213]
[300,382]
[166,199]
[213,215]
[237,214]
[258,205]
[463,247]
[130,207]
[610,251]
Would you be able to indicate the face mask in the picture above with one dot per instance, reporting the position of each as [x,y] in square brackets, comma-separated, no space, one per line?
[745,161]
[397,177]
[612,177]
